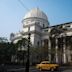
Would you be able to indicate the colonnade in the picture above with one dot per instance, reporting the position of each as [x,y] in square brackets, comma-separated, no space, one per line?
[64,54]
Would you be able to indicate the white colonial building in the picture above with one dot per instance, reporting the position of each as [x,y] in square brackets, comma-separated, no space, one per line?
[58,37]
[33,22]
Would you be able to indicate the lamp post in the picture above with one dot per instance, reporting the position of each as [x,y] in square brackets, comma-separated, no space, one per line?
[27,63]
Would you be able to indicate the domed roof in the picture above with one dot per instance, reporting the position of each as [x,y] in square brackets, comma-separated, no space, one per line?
[36,12]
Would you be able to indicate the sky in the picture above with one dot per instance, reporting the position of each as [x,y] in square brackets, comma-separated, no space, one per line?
[13,11]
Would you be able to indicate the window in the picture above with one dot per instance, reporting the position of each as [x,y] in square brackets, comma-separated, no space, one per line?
[47,63]
[71,56]
[68,26]
[28,28]
[45,30]
[38,43]
[43,63]
[32,28]
[43,25]
[25,29]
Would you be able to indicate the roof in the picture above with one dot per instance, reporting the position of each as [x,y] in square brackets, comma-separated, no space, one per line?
[36,12]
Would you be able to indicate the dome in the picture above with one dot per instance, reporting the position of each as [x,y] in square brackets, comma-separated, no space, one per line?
[36,12]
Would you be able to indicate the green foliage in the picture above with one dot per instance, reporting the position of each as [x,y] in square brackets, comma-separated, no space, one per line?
[6,51]
[3,39]
[21,52]
[38,54]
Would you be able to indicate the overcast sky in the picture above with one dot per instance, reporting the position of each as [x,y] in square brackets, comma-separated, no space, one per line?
[12,13]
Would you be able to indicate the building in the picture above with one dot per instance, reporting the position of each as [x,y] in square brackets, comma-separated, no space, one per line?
[57,38]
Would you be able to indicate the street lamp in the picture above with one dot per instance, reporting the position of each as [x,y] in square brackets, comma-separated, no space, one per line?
[27,63]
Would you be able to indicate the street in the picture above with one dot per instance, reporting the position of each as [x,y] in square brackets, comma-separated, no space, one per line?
[33,69]
[62,69]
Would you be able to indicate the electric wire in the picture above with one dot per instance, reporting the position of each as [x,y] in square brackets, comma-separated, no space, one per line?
[23,5]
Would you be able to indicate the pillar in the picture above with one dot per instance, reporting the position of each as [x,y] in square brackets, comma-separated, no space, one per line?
[64,51]
[56,50]
[42,43]
[68,55]
[49,49]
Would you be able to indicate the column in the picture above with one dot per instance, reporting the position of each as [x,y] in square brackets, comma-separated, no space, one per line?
[42,43]
[49,49]
[56,50]
[64,51]
[68,55]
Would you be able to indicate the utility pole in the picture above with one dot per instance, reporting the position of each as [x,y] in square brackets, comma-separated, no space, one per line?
[27,63]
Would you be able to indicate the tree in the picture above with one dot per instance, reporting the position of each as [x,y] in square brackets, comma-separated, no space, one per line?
[6,51]
[3,39]
[22,47]
[37,54]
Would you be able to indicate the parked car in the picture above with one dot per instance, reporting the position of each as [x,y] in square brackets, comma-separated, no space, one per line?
[46,65]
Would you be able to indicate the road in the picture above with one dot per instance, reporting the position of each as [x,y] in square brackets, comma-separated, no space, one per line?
[33,69]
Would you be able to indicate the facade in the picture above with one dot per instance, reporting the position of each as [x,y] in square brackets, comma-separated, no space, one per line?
[58,38]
